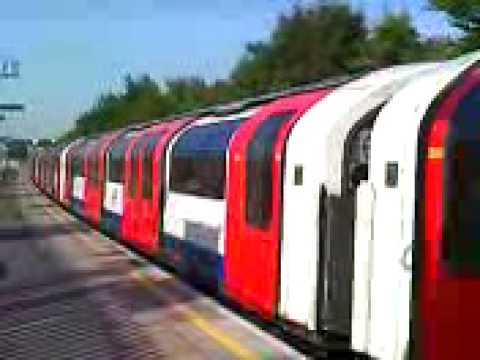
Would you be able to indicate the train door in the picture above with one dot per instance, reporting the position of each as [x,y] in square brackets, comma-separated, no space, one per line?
[137,200]
[56,159]
[195,206]
[62,162]
[69,158]
[130,190]
[92,183]
[78,181]
[447,248]
[148,209]
[337,232]
[252,269]
[113,199]
[95,186]
[87,168]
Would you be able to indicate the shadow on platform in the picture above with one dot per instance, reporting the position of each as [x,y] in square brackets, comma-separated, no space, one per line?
[32,232]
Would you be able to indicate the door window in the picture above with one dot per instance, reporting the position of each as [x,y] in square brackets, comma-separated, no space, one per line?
[147,164]
[133,168]
[259,169]
[116,159]
[199,159]
[461,246]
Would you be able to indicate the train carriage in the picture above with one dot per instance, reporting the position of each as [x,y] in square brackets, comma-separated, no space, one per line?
[195,209]
[95,176]
[50,171]
[37,165]
[133,200]
[423,192]
[129,221]
[63,194]
[347,209]
[150,180]
[326,156]
[71,170]
[78,176]
[253,202]
[114,195]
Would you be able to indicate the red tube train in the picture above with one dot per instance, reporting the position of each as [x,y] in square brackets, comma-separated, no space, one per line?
[345,211]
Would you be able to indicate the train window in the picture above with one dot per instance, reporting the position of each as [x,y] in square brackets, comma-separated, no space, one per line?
[461,248]
[95,169]
[391,174]
[147,165]
[199,159]
[116,161]
[259,169]
[77,160]
[89,167]
[359,153]
[298,175]
[92,163]
[133,168]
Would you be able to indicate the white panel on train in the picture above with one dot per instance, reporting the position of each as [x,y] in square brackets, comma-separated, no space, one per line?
[315,148]
[79,187]
[113,196]
[394,141]
[113,200]
[190,209]
[63,169]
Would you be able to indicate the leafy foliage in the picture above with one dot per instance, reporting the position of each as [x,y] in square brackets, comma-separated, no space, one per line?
[309,44]
[465,15]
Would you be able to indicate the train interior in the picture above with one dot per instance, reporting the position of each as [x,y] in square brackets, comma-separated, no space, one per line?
[337,224]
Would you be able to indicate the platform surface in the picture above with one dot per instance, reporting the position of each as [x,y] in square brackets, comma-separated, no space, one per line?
[68,292]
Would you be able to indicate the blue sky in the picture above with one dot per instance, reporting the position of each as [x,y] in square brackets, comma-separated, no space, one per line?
[71,51]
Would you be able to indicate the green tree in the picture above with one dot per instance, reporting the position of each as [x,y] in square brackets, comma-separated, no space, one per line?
[464,15]
[395,41]
[310,44]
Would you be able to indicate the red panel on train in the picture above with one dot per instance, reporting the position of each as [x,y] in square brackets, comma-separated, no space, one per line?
[143,219]
[95,174]
[254,202]
[450,287]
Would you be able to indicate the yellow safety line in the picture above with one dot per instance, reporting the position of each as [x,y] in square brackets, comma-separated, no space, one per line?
[227,342]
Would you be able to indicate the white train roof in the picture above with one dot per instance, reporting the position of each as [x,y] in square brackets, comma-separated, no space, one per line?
[414,100]
[399,121]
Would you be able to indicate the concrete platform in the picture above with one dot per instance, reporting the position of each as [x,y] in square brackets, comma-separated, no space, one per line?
[67,292]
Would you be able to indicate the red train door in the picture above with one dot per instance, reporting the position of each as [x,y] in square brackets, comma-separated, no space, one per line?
[137,200]
[150,195]
[253,193]
[91,195]
[96,177]
[56,159]
[447,286]
[149,184]
[130,189]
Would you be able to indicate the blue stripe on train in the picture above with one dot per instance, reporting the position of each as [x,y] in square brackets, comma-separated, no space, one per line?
[203,266]
[77,206]
[110,223]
